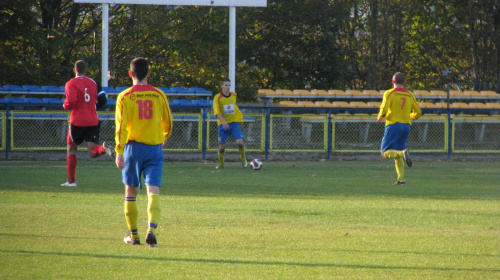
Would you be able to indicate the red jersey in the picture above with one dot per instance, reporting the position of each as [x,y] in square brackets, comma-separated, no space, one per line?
[81,97]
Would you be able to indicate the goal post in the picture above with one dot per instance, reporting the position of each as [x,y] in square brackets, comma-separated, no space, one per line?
[226,3]
[232,4]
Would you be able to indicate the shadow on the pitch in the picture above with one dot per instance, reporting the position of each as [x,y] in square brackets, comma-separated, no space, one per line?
[247,262]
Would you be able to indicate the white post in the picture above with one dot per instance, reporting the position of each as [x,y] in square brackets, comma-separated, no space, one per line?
[232,46]
[105,43]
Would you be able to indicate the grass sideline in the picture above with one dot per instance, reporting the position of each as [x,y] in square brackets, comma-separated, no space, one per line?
[300,220]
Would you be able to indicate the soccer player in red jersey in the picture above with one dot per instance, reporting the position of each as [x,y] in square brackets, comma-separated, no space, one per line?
[399,107]
[81,99]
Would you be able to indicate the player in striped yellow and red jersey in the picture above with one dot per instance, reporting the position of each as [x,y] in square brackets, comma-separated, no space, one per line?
[143,124]
[399,107]
[81,99]
[229,120]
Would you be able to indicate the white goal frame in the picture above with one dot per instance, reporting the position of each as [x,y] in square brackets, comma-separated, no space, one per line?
[232,4]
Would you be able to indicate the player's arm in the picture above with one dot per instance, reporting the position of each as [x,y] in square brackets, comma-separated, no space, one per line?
[167,122]
[120,127]
[383,108]
[102,99]
[120,134]
[218,113]
[225,125]
[71,96]
[416,112]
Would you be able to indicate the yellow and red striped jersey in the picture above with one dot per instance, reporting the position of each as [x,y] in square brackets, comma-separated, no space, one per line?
[226,106]
[143,115]
[399,106]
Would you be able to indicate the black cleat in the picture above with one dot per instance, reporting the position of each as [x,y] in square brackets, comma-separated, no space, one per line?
[151,240]
[397,183]
[109,149]
[406,157]
[128,239]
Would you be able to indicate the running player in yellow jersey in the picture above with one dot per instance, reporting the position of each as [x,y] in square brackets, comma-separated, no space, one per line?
[229,119]
[399,107]
[143,125]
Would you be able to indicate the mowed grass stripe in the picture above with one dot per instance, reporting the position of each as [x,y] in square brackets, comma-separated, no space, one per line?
[302,220]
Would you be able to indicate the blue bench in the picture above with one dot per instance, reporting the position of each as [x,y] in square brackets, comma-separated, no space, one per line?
[120,89]
[49,116]
[197,90]
[111,102]
[12,88]
[32,88]
[108,117]
[35,101]
[15,101]
[181,102]
[52,100]
[52,89]
[200,102]
[109,89]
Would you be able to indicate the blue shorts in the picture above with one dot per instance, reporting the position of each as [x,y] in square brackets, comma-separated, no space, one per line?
[234,130]
[395,137]
[141,159]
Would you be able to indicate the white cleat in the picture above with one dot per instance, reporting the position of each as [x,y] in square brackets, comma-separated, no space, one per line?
[67,184]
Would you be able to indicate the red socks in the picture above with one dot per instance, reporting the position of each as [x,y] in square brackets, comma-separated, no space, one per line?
[98,151]
[71,162]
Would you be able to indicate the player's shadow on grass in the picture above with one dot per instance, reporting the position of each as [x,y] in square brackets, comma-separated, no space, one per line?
[249,262]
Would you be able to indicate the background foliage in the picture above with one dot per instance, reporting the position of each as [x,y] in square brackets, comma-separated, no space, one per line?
[291,44]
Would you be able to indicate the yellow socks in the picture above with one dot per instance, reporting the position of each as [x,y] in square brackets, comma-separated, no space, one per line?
[221,158]
[131,214]
[153,211]
[393,154]
[398,162]
[242,155]
[400,168]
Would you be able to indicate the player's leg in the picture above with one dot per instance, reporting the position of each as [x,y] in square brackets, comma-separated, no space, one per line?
[223,135]
[152,178]
[401,134]
[241,148]
[72,141]
[131,178]
[389,149]
[154,212]
[403,145]
[389,143]
[392,154]
[131,215]
[94,149]
[238,135]
[221,155]
[400,171]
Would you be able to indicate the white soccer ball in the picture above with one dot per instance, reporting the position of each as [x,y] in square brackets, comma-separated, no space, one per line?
[256,164]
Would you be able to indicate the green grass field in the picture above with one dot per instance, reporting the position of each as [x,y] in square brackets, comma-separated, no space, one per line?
[300,220]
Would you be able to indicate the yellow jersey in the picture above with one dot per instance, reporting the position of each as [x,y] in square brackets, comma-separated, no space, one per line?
[143,115]
[226,106]
[399,106]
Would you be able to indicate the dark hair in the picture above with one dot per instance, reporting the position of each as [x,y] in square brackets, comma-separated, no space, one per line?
[80,67]
[399,78]
[225,80]
[139,68]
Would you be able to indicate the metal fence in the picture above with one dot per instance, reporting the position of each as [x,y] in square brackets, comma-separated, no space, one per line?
[269,129]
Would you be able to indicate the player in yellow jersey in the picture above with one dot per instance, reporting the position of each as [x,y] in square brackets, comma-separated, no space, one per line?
[143,124]
[399,107]
[229,120]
